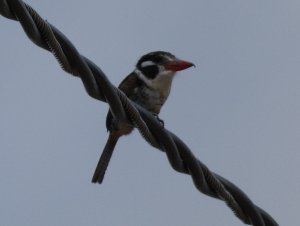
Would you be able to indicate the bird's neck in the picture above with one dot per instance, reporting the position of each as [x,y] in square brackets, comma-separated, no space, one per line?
[162,83]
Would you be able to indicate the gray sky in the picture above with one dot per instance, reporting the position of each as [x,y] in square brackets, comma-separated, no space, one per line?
[238,110]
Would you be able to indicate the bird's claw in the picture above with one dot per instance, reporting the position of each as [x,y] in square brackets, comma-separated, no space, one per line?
[162,123]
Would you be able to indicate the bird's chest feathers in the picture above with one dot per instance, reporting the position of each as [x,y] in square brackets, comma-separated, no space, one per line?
[161,86]
[153,95]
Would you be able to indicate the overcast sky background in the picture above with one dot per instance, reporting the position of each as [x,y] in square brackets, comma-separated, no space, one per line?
[238,111]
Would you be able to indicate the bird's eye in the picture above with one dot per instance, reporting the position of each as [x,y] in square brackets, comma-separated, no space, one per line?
[150,71]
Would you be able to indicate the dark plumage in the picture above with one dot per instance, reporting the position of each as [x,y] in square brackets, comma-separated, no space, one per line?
[149,86]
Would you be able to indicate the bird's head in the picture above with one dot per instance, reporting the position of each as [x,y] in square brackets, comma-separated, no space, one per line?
[158,68]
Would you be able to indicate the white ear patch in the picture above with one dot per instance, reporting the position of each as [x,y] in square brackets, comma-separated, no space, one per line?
[147,63]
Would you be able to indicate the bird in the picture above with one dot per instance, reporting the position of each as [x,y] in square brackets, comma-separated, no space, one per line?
[149,86]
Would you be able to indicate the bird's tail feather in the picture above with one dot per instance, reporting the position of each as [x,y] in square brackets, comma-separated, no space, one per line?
[105,158]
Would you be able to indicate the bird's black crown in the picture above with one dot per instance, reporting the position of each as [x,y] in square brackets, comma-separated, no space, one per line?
[158,58]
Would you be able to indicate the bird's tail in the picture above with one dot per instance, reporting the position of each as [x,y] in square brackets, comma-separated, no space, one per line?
[105,158]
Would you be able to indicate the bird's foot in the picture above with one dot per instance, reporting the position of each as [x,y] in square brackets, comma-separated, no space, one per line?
[162,123]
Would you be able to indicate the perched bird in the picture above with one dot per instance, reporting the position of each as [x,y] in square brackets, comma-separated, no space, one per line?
[149,86]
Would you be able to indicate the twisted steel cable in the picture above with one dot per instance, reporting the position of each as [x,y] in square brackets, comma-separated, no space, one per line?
[98,86]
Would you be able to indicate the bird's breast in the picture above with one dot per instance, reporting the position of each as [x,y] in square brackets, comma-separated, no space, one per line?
[150,99]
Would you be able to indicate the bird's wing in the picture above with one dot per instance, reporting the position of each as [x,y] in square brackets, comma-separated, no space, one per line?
[127,87]
[128,84]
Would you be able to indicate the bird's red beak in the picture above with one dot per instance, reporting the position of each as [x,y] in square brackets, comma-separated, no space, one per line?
[178,65]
